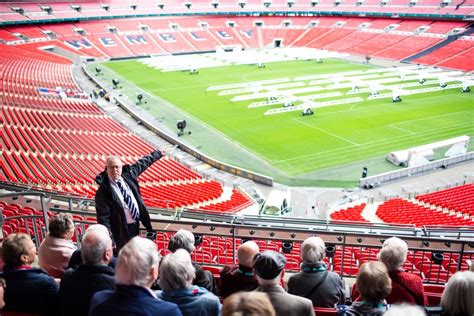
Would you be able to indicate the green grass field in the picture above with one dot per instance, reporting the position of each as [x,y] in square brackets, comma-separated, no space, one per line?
[331,145]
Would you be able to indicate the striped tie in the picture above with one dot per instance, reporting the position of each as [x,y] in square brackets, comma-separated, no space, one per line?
[128,200]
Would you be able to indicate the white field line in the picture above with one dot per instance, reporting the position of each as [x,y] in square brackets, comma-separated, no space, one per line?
[326,132]
[400,128]
[369,143]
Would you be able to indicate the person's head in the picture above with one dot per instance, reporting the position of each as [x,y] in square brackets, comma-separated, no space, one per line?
[405,309]
[61,226]
[313,250]
[176,271]
[393,253]
[96,245]
[183,239]
[248,304]
[247,252]
[17,250]
[114,165]
[137,263]
[268,266]
[458,296]
[373,282]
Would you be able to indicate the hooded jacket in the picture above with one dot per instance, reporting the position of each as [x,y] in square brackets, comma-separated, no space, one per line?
[108,205]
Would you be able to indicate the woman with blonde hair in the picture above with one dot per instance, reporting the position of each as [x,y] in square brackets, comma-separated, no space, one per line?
[374,286]
[458,296]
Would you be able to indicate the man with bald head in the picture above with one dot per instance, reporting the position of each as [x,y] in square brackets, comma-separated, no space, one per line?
[118,201]
[240,278]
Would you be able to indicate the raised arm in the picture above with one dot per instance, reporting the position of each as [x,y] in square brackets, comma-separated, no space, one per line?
[143,163]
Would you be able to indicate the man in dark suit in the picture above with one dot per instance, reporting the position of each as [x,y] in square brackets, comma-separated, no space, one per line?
[137,269]
[118,201]
[79,285]
[268,268]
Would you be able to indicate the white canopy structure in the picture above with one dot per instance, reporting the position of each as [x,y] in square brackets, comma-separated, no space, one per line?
[416,156]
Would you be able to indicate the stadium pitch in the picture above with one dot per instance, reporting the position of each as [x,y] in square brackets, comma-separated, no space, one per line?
[327,148]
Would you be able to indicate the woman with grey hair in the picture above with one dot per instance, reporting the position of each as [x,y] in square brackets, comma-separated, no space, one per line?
[458,296]
[322,287]
[176,280]
[136,271]
[407,287]
[57,248]
[184,239]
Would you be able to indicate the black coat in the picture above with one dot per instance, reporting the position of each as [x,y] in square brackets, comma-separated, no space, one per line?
[130,300]
[78,286]
[30,290]
[109,207]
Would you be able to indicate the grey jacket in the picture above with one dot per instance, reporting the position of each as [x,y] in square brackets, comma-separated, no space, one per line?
[327,294]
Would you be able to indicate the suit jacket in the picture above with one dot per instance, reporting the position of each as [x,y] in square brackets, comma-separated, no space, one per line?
[130,300]
[78,286]
[76,260]
[109,207]
[330,292]
[235,279]
[30,290]
[287,304]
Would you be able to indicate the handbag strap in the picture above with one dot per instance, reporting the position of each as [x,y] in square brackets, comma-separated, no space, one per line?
[405,288]
[321,281]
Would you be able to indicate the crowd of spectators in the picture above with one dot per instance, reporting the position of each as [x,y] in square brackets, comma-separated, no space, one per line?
[139,282]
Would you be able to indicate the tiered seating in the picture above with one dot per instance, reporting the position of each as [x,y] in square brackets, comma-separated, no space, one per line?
[459,199]
[462,61]
[376,44]
[19,219]
[350,214]
[399,211]
[237,202]
[61,144]
[407,47]
[446,52]
[186,35]
[187,194]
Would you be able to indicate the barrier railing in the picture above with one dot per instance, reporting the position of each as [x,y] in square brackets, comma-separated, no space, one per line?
[435,253]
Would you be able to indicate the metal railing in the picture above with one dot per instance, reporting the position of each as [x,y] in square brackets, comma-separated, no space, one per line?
[435,253]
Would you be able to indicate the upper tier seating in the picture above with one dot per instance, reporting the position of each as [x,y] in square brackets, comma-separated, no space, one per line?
[148,36]
[61,10]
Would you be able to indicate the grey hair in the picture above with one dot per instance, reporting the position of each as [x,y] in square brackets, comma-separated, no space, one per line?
[458,296]
[405,309]
[264,282]
[95,242]
[393,253]
[313,250]
[135,260]
[183,239]
[176,271]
